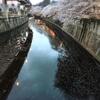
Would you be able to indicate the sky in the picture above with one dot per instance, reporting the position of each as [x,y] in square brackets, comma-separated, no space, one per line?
[0,1]
[32,1]
[35,1]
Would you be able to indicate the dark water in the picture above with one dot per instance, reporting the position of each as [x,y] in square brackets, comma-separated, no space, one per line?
[36,79]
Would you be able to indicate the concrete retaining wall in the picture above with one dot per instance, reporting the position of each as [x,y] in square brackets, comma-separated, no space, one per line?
[87,33]
[6,24]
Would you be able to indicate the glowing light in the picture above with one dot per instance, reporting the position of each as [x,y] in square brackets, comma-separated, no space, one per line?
[26,34]
[17,83]
[30,49]
[26,61]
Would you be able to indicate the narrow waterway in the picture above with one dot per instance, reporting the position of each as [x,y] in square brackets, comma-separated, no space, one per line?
[37,76]
[56,68]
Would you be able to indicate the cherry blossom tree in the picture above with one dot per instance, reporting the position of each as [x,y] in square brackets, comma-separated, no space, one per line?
[65,9]
[36,10]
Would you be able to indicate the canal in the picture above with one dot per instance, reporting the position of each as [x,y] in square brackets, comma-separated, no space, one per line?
[37,76]
[56,68]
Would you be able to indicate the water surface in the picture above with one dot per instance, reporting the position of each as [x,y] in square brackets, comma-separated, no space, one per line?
[36,79]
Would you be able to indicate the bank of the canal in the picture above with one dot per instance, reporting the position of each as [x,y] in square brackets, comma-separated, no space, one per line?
[14,46]
[10,46]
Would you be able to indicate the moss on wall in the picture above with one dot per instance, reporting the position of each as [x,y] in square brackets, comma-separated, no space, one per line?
[87,32]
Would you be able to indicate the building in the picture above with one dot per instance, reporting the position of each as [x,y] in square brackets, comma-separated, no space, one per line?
[14,7]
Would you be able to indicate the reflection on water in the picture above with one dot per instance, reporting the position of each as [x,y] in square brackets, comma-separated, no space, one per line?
[36,79]
[78,73]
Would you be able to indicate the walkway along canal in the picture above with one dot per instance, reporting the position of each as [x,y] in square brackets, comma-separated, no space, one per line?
[55,71]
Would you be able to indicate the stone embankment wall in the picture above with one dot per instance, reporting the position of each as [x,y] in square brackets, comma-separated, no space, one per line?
[7,24]
[87,33]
